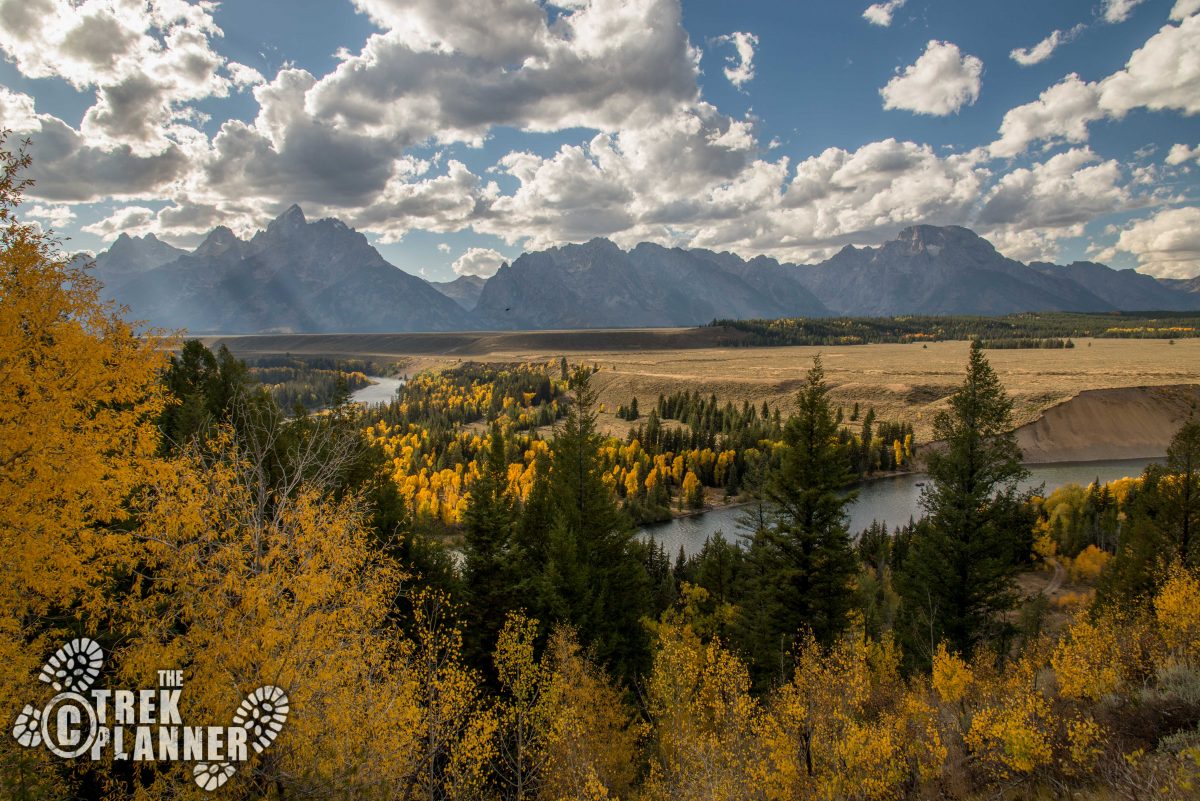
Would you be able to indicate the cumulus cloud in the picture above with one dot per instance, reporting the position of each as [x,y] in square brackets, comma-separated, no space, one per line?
[1115,11]
[132,220]
[443,247]
[244,76]
[739,67]
[1182,154]
[17,111]
[439,73]
[146,62]
[66,168]
[1041,51]
[941,82]
[1160,75]
[56,217]
[483,262]
[881,13]
[1184,8]
[1061,112]
[1166,244]
[1055,198]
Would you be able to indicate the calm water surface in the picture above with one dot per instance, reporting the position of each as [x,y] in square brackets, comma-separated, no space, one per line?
[893,500]
[382,391]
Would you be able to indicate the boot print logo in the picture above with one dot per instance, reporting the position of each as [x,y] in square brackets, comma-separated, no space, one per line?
[142,725]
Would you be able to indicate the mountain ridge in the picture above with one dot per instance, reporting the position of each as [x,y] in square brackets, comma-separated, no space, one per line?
[323,276]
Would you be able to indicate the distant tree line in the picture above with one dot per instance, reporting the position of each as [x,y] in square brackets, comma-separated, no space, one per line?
[924,328]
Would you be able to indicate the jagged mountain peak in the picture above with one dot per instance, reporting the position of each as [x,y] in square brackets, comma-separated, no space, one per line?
[218,241]
[288,223]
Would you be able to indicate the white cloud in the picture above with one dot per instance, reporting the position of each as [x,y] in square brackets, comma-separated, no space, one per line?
[58,217]
[1163,74]
[658,164]
[881,13]
[941,82]
[1115,11]
[1053,198]
[66,168]
[1041,51]
[1166,244]
[483,262]
[1061,112]
[147,62]
[1184,8]
[244,76]
[132,220]
[17,111]
[739,67]
[442,74]
[1181,154]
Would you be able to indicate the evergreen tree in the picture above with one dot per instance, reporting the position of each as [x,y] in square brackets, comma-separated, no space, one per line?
[488,531]
[595,576]
[802,565]
[1180,517]
[956,580]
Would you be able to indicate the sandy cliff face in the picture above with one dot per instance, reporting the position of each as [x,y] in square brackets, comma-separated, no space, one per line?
[1098,424]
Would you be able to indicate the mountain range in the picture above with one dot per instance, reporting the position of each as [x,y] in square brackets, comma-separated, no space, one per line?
[322,276]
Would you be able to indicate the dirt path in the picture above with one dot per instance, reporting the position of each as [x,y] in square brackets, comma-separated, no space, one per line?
[1056,580]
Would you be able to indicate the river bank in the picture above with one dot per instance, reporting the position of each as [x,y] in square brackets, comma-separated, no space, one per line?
[893,500]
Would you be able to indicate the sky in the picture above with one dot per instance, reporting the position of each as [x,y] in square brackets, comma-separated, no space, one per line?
[457,133]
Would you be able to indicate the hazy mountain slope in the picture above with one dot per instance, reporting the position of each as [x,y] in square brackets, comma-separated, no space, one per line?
[1127,290]
[599,285]
[294,276]
[130,256]
[463,290]
[932,270]
[1189,285]
[324,277]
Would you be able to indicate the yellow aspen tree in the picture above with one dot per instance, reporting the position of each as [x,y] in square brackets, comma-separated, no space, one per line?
[1087,661]
[1177,612]
[522,711]
[706,744]
[592,747]
[240,594]
[78,398]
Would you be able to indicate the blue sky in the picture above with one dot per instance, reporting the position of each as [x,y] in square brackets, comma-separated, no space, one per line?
[455,134]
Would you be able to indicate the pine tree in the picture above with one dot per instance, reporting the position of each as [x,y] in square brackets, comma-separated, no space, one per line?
[956,579]
[804,562]
[1181,495]
[489,580]
[595,577]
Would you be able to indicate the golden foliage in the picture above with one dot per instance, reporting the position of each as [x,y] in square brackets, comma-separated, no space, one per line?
[1177,611]
[1087,661]
[78,398]
[952,677]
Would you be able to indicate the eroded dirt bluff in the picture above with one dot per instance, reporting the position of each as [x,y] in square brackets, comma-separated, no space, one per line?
[1122,423]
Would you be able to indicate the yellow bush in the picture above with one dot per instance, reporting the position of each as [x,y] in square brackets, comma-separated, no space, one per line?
[1088,565]
[1177,610]
[952,676]
[1086,662]
[1010,737]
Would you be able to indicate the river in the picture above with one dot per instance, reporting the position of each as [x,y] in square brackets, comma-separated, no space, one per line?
[382,391]
[893,500]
